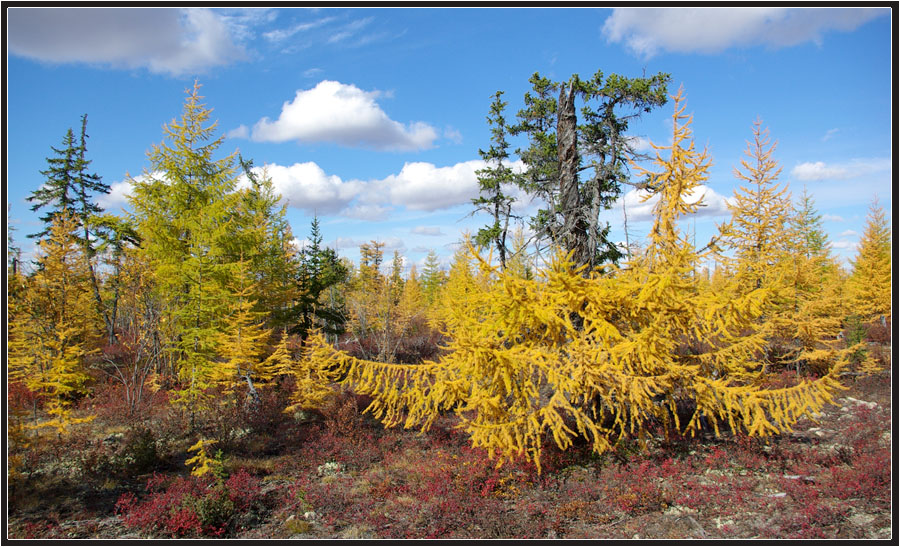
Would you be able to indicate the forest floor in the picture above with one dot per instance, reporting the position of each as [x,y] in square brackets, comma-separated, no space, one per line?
[343,475]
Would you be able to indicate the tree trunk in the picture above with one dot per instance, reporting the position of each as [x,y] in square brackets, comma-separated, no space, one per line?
[573,234]
[252,395]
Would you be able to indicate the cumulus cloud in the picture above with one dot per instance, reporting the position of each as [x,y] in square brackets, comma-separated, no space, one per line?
[300,244]
[117,196]
[848,233]
[832,218]
[418,186]
[306,186]
[819,170]
[162,40]
[343,114]
[239,132]
[345,243]
[422,186]
[647,31]
[393,244]
[390,244]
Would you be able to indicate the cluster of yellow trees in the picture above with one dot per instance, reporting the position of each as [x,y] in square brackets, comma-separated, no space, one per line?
[600,355]
[206,298]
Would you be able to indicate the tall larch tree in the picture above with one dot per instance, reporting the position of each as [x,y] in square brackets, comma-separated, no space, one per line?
[758,231]
[759,238]
[184,212]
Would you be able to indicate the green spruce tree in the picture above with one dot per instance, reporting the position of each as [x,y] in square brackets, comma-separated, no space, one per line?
[494,182]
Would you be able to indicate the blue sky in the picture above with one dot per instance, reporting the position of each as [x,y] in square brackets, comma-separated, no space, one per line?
[372,118]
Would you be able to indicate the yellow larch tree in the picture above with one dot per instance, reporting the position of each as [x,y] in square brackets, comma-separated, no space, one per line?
[244,340]
[57,325]
[183,210]
[870,282]
[597,356]
[759,237]
[759,230]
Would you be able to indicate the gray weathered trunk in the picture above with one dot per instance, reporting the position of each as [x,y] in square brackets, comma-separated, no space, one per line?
[573,233]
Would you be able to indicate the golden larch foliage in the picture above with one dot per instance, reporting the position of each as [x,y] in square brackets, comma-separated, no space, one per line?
[870,282]
[597,356]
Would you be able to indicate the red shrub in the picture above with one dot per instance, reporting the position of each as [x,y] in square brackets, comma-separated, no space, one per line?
[243,489]
[189,506]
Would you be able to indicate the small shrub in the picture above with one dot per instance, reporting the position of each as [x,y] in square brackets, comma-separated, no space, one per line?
[140,450]
[215,509]
[193,506]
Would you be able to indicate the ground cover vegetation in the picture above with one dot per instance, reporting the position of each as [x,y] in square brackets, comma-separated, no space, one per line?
[186,371]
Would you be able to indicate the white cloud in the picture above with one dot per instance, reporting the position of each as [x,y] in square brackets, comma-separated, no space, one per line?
[848,233]
[239,132]
[306,186]
[345,243]
[370,212]
[814,171]
[818,171]
[393,244]
[844,244]
[647,31]
[427,230]
[349,30]
[390,244]
[117,196]
[279,35]
[640,144]
[832,218]
[343,114]
[422,186]
[162,40]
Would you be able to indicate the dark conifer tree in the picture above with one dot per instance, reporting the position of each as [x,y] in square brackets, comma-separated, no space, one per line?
[494,181]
